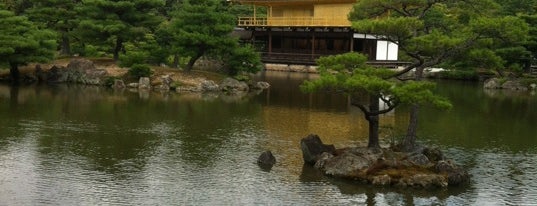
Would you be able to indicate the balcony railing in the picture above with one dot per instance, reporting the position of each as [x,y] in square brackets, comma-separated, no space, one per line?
[295,21]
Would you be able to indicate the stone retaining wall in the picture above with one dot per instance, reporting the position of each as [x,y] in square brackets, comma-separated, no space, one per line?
[291,68]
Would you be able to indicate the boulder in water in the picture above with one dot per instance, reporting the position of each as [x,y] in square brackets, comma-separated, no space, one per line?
[266,159]
[312,147]
[233,86]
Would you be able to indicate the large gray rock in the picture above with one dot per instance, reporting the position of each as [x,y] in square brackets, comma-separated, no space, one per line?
[419,159]
[84,71]
[492,83]
[343,165]
[312,147]
[144,83]
[433,154]
[261,85]
[80,71]
[231,85]
[209,86]
[166,82]
[455,174]
[514,85]
[56,74]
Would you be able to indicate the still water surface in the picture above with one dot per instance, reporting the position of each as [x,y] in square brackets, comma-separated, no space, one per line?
[74,145]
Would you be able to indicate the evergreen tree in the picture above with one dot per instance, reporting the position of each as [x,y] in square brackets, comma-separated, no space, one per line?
[430,32]
[59,15]
[17,6]
[117,21]
[202,27]
[349,73]
[21,42]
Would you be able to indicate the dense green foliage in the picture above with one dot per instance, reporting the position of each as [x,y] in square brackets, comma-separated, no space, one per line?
[22,42]
[485,34]
[455,75]
[349,73]
[432,32]
[117,22]
[201,28]
[243,59]
[139,70]
[58,15]
[170,32]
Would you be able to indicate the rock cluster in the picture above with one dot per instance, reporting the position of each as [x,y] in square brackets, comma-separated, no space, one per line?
[513,84]
[424,168]
[228,86]
[83,71]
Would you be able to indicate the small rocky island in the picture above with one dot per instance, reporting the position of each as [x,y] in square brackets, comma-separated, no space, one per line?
[425,168]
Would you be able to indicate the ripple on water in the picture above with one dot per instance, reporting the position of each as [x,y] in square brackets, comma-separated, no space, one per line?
[218,168]
[64,126]
[507,178]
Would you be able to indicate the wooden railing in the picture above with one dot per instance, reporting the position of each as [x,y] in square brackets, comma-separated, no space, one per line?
[295,21]
[303,57]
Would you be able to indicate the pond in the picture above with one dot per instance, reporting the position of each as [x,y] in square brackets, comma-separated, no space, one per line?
[77,145]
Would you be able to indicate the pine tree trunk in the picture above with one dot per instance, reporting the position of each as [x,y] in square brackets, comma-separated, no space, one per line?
[409,143]
[66,45]
[373,122]
[175,61]
[192,61]
[117,49]
[14,73]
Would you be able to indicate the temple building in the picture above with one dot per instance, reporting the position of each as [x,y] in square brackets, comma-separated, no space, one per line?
[300,31]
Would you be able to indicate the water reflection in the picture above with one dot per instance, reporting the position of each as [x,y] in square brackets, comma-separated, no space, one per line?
[478,120]
[66,145]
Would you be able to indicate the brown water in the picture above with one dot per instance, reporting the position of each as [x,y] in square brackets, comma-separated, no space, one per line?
[74,145]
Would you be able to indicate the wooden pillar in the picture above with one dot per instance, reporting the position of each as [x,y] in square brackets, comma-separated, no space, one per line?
[270,42]
[255,15]
[352,43]
[253,38]
[269,15]
[313,45]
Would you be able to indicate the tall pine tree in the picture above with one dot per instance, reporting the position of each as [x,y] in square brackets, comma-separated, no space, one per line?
[59,15]
[22,42]
[431,32]
[202,27]
[116,22]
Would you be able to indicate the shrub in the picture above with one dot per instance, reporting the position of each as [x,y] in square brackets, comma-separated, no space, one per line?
[109,81]
[528,81]
[140,70]
[132,58]
[243,59]
[456,75]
